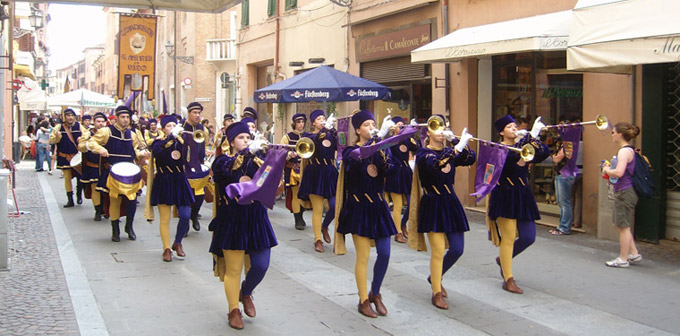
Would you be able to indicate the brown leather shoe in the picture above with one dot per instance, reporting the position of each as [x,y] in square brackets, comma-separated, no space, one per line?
[235,320]
[404,231]
[177,247]
[326,236]
[167,255]
[439,302]
[399,238]
[366,310]
[318,246]
[248,305]
[443,290]
[379,306]
[510,286]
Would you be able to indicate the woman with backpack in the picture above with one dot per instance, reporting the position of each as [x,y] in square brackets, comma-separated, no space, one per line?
[625,197]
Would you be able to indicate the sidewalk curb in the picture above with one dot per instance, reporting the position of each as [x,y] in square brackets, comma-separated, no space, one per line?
[88,315]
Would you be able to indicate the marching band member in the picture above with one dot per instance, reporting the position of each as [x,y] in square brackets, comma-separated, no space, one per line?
[65,136]
[239,229]
[117,143]
[251,124]
[194,154]
[292,169]
[170,186]
[320,175]
[364,213]
[90,175]
[85,122]
[512,205]
[221,135]
[438,213]
[152,133]
[398,185]
[249,112]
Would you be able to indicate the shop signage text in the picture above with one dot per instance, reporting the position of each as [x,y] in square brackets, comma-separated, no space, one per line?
[554,92]
[395,43]
[670,47]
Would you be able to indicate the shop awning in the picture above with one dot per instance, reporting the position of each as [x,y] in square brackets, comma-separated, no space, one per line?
[612,35]
[23,70]
[545,32]
[213,6]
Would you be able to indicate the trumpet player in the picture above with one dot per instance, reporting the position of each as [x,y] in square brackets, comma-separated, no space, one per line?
[194,154]
[240,229]
[436,208]
[90,175]
[320,175]
[291,174]
[170,186]
[512,206]
[221,135]
[152,133]
[65,136]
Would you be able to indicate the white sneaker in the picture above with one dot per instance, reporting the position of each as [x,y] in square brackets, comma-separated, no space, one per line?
[618,262]
[634,258]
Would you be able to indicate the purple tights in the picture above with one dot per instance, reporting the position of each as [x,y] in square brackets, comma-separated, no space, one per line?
[259,263]
[382,246]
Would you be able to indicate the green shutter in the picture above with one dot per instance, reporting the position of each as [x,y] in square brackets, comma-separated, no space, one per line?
[271,8]
[245,13]
[291,4]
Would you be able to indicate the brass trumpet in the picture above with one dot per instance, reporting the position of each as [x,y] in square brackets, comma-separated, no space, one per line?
[601,122]
[434,124]
[304,147]
[199,136]
[527,152]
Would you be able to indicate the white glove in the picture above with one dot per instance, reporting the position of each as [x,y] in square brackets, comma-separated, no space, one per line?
[386,125]
[413,122]
[536,129]
[330,122]
[258,136]
[134,118]
[177,130]
[521,133]
[256,145]
[374,132]
[449,135]
[464,138]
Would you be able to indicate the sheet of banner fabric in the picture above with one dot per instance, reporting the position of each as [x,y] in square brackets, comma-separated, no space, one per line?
[343,135]
[490,161]
[570,141]
[265,182]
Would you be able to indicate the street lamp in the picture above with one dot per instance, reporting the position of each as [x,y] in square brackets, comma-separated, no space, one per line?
[170,49]
[36,18]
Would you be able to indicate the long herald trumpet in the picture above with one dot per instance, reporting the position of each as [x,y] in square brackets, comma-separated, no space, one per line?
[434,124]
[304,147]
[527,152]
[601,122]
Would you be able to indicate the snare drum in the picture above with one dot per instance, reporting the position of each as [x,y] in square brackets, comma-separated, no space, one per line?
[125,178]
[76,162]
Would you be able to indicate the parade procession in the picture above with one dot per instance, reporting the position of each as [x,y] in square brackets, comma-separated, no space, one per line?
[360,167]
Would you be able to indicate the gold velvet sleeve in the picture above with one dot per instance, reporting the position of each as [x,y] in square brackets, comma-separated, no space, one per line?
[82,141]
[138,143]
[55,135]
[97,142]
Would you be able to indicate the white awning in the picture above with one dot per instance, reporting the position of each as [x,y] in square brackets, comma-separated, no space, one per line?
[545,32]
[213,6]
[612,35]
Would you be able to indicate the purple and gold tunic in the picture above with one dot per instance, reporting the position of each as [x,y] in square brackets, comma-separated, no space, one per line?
[320,175]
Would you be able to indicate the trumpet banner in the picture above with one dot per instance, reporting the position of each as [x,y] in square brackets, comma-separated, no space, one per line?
[490,162]
[343,135]
[570,142]
[265,181]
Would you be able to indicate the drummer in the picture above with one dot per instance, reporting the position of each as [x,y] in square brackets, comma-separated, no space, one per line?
[65,136]
[194,154]
[90,164]
[117,144]
[85,122]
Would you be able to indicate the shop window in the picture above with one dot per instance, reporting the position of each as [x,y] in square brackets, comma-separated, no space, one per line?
[245,13]
[530,85]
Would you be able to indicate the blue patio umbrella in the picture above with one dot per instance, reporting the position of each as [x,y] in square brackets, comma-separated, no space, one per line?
[322,84]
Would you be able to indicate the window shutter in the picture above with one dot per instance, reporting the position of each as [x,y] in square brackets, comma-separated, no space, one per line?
[245,13]
[291,4]
[271,8]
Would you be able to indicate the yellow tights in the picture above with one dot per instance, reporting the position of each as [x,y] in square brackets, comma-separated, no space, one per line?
[295,203]
[438,245]
[508,228]
[165,211]
[362,245]
[317,212]
[233,262]
[68,175]
[398,203]
[114,207]
[96,196]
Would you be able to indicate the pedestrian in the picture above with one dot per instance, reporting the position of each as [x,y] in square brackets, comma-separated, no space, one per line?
[398,185]
[625,197]
[364,212]
[512,206]
[239,229]
[43,147]
[170,186]
[438,212]
[320,176]
[291,172]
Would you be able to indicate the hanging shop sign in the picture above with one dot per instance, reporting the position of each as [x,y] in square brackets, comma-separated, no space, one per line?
[394,43]
[137,56]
